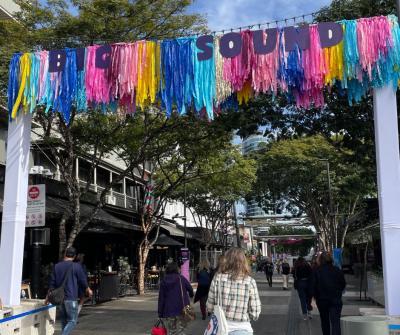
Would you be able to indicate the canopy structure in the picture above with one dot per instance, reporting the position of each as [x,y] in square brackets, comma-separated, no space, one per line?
[211,72]
[207,74]
[166,241]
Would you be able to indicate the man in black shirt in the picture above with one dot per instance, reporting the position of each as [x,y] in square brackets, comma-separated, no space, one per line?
[269,271]
[76,281]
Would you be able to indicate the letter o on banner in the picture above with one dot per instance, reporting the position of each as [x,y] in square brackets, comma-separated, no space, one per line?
[103,57]
[225,48]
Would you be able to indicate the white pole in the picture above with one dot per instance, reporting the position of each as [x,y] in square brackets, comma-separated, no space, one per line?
[14,209]
[388,168]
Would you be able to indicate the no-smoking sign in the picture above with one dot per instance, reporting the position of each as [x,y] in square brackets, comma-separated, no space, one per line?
[34,192]
[36,209]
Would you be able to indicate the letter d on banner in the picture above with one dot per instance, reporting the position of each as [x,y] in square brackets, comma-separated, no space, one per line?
[330,34]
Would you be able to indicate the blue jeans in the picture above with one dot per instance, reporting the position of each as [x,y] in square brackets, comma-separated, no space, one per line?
[69,316]
[240,332]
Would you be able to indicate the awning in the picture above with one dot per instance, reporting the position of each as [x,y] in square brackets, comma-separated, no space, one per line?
[166,241]
[56,206]
[175,231]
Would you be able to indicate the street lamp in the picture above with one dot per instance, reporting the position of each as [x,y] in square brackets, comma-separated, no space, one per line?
[329,183]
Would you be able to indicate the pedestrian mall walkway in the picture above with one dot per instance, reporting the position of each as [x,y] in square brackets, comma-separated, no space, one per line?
[281,314]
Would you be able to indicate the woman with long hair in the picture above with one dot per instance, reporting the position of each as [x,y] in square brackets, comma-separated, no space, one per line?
[173,297]
[238,291]
[328,287]
[302,281]
[203,282]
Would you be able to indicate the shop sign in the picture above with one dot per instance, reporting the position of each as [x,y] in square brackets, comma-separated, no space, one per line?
[36,209]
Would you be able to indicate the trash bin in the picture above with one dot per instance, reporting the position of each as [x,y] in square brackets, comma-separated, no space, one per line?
[365,325]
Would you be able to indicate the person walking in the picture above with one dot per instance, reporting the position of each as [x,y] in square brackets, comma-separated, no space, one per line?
[302,279]
[75,282]
[238,291]
[203,281]
[269,271]
[285,274]
[174,294]
[328,286]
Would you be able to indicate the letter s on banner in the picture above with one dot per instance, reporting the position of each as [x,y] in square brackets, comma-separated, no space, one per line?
[261,47]
[57,60]
[206,50]
[225,48]
[103,57]
[330,34]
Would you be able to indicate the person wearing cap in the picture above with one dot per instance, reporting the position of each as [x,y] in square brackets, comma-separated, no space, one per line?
[76,282]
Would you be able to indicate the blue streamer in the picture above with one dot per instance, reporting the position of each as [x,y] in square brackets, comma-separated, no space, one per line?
[13,81]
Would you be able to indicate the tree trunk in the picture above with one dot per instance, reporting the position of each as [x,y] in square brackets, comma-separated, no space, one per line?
[143,252]
[62,236]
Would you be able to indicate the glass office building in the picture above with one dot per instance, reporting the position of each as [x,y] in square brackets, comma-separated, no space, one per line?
[249,144]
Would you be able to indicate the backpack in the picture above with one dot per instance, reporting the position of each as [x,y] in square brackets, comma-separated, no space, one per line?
[285,268]
[57,296]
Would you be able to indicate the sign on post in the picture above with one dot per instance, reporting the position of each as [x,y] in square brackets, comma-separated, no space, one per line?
[36,210]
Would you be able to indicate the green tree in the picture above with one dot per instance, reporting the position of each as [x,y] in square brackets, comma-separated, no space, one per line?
[77,23]
[226,177]
[293,174]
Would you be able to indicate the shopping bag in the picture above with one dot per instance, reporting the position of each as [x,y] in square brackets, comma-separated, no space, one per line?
[159,328]
[217,324]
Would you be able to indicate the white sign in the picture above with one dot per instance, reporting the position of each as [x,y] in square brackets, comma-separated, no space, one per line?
[36,210]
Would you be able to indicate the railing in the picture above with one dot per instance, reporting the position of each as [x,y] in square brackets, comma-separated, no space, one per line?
[121,200]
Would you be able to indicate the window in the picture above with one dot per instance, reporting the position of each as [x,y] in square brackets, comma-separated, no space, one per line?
[84,170]
[103,177]
[130,188]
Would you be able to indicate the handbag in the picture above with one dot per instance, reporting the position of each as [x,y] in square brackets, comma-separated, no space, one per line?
[217,324]
[159,328]
[57,296]
[188,313]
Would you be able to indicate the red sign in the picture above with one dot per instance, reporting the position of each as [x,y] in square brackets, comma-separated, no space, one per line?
[34,192]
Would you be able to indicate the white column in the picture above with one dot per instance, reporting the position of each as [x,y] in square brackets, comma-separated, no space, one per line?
[14,209]
[388,168]
[95,179]
[124,190]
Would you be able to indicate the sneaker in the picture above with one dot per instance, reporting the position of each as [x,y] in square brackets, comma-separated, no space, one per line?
[305,318]
[309,315]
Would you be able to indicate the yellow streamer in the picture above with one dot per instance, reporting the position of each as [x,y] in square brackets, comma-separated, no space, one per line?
[245,93]
[25,69]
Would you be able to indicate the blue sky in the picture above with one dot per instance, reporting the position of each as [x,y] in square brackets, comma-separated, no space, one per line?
[225,14]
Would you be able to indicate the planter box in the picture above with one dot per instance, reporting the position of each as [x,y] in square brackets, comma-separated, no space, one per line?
[375,288]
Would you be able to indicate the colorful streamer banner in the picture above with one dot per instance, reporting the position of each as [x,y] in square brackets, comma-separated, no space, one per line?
[209,72]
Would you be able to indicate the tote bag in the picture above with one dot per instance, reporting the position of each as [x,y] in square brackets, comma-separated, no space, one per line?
[217,324]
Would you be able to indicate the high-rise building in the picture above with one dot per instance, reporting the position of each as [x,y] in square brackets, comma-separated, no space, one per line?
[250,144]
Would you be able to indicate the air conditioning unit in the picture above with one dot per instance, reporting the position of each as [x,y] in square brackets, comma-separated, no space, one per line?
[36,170]
[47,173]
[111,200]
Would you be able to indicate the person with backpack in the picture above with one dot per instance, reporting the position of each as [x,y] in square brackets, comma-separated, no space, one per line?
[173,297]
[234,292]
[269,271]
[203,281]
[66,282]
[328,284]
[285,274]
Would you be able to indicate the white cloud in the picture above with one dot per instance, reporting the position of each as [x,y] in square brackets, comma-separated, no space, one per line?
[225,14]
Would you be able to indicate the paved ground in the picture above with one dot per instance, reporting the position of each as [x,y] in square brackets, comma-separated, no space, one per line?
[281,314]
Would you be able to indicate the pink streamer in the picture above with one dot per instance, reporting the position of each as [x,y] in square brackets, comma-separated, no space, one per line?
[96,79]
[374,39]
[264,71]
[238,70]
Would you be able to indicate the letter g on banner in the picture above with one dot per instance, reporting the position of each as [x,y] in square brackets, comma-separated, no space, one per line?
[225,48]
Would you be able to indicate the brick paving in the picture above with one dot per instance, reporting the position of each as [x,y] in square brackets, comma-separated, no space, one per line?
[280,314]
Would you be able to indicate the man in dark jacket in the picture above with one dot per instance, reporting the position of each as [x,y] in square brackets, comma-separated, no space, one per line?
[269,271]
[328,286]
[76,282]
[173,296]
